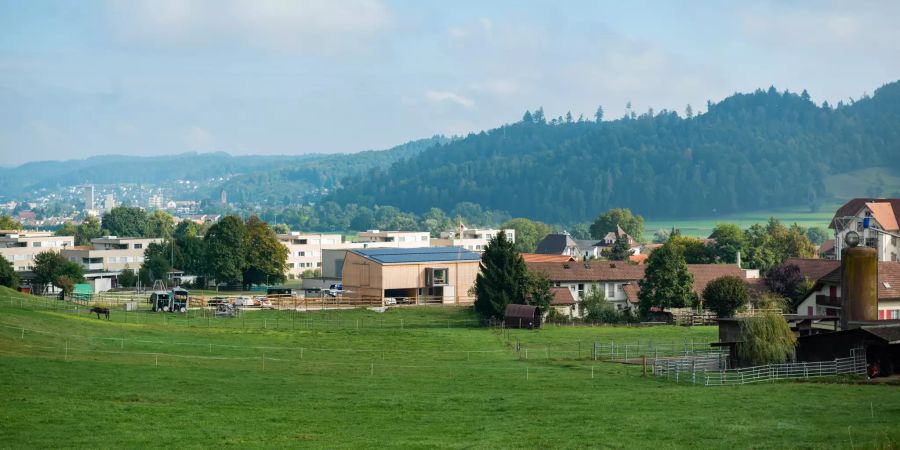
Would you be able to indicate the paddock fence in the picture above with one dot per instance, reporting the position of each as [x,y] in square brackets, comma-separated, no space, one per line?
[709,372]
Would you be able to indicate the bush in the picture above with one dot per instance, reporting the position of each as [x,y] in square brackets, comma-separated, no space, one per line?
[725,295]
[767,339]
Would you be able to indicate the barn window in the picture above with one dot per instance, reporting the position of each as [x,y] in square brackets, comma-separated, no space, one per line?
[437,276]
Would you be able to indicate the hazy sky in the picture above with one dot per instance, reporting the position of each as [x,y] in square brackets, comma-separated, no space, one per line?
[80,78]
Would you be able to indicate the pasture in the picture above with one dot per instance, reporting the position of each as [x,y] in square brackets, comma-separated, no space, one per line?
[359,378]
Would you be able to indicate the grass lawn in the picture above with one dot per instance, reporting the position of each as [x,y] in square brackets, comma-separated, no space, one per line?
[74,381]
[702,227]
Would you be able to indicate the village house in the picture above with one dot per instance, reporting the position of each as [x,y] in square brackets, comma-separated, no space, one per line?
[879,214]
[564,244]
[618,280]
[443,275]
[824,299]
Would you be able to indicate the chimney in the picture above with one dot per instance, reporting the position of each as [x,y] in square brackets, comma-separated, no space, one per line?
[739,259]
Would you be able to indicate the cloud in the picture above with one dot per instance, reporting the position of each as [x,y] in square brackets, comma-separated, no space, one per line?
[314,26]
[448,97]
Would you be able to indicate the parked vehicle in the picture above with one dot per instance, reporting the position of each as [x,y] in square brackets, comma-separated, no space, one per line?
[335,290]
[244,300]
[175,300]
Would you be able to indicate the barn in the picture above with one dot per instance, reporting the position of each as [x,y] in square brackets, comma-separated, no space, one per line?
[522,316]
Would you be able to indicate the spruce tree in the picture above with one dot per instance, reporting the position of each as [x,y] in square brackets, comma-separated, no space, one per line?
[502,280]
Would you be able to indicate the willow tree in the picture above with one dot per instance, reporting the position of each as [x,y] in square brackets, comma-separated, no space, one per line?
[767,339]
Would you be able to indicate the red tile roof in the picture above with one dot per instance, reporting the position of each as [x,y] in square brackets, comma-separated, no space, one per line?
[588,270]
[888,272]
[853,207]
[883,212]
[562,296]
[814,268]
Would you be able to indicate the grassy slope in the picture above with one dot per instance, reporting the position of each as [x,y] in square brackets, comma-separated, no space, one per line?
[839,187]
[426,390]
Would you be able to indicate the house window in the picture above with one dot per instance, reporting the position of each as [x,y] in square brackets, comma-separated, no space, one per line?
[138,246]
[303,241]
[610,290]
[424,238]
[437,276]
[301,253]
[581,290]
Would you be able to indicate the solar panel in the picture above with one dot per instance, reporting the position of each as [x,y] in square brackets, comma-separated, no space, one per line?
[423,254]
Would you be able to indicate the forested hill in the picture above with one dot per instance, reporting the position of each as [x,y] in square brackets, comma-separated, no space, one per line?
[750,151]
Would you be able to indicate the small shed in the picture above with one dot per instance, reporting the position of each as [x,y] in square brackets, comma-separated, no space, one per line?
[522,316]
[881,343]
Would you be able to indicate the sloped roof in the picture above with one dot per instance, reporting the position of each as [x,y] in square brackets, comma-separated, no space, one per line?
[562,296]
[704,273]
[589,271]
[631,292]
[827,246]
[814,268]
[852,207]
[883,212]
[555,244]
[586,244]
[638,259]
[888,272]
[417,255]
[537,257]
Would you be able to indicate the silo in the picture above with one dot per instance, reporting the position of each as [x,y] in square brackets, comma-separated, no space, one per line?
[859,285]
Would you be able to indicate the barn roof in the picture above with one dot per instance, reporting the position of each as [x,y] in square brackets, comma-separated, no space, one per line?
[537,257]
[417,255]
[589,271]
[516,310]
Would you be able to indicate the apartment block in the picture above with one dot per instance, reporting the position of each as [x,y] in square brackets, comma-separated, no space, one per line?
[472,239]
[20,247]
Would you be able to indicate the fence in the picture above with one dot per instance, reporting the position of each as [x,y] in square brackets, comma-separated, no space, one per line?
[707,372]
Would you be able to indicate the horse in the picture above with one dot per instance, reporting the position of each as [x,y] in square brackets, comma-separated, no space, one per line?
[99,310]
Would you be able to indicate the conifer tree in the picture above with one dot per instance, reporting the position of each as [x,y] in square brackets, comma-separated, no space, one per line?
[502,280]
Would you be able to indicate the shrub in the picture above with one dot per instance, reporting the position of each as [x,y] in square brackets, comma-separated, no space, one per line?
[725,295]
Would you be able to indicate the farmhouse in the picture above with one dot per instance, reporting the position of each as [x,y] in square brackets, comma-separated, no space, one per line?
[618,279]
[411,275]
[880,214]
[825,296]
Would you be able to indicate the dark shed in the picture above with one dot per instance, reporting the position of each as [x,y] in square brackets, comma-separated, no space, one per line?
[522,316]
[881,343]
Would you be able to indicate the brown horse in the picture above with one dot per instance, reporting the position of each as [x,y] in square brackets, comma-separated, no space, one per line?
[99,310]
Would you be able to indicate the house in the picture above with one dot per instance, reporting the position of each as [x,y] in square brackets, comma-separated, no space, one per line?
[559,244]
[824,299]
[19,247]
[564,302]
[826,250]
[472,239]
[879,214]
[400,239]
[618,279]
[415,275]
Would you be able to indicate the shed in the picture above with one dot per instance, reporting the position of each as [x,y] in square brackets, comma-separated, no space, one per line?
[881,343]
[522,316]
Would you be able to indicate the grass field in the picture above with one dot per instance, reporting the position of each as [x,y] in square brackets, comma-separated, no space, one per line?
[702,227]
[363,379]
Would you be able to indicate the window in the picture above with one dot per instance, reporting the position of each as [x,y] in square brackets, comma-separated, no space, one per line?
[138,246]
[302,241]
[895,314]
[580,290]
[424,238]
[36,244]
[301,253]
[437,276]
[610,290]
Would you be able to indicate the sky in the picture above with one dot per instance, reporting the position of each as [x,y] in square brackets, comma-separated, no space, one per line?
[153,77]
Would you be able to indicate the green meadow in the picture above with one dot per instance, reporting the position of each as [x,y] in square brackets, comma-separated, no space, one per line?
[411,377]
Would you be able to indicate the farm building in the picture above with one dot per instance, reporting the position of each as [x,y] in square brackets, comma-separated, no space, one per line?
[411,275]
[521,316]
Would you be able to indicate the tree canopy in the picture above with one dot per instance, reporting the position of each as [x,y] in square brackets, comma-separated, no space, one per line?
[502,279]
[528,233]
[667,282]
[225,250]
[725,295]
[623,217]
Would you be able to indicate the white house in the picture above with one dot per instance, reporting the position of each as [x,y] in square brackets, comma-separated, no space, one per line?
[881,214]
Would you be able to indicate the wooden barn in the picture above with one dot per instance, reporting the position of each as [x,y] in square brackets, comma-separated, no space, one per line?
[522,316]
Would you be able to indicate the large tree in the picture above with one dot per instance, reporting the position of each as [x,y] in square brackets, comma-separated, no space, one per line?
[528,233]
[502,279]
[155,267]
[88,229]
[728,241]
[8,275]
[786,280]
[225,251]
[266,257]
[159,225]
[695,251]
[8,223]
[48,266]
[539,293]
[667,282]
[128,221]
[725,295]
[632,224]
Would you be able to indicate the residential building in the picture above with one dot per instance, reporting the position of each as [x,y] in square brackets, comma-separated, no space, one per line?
[110,254]
[559,244]
[415,275]
[305,250]
[879,214]
[824,299]
[400,239]
[564,244]
[109,202]
[619,279]
[473,239]
[19,247]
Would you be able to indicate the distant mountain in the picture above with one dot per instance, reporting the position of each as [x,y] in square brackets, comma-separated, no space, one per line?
[291,182]
[252,178]
[751,151]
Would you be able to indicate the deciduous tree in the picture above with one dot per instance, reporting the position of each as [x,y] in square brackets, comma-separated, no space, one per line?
[667,282]
[8,275]
[623,217]
[225,252]
[528,233]
[266,257]
[725,295]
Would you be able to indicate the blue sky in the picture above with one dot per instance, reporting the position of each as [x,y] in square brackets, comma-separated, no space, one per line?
[288,77]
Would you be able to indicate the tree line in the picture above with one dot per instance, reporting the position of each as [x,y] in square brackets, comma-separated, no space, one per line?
[748,152]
